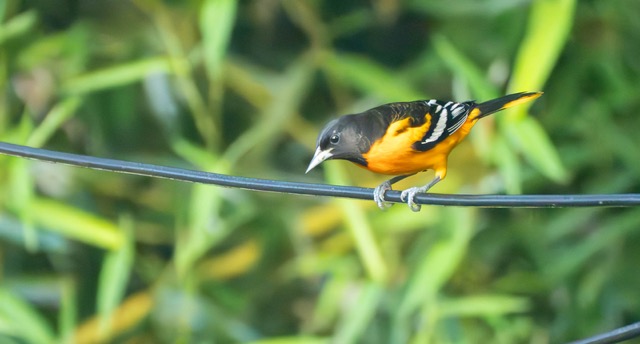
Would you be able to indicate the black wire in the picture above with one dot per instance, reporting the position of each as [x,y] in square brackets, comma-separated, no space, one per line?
[493,201]
[616,336]
[538,201]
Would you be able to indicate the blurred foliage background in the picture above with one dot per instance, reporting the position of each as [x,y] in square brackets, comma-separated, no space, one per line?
[243,88]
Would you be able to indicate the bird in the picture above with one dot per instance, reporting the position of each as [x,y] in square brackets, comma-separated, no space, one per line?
[405,138]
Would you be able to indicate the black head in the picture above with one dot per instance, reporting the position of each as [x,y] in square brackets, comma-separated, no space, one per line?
[343,138]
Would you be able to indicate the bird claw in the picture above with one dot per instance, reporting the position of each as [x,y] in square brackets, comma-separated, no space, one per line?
[378,195]
[410,194]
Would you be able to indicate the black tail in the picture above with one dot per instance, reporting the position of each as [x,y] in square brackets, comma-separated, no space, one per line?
[498,104]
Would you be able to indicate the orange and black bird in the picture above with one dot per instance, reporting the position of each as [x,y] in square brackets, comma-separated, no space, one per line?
[405,138]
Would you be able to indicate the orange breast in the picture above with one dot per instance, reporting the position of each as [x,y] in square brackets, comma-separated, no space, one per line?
[394,154]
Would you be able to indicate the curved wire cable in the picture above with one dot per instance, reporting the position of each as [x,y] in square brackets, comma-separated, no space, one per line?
[149,170]
[616,336]
[534,201]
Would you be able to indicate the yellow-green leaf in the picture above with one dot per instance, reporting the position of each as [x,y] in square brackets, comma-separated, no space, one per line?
[535,145]
[550,22]
[370,78]
[76,224]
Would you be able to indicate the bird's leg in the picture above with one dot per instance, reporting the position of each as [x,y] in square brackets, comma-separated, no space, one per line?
[410,194]
[380,190]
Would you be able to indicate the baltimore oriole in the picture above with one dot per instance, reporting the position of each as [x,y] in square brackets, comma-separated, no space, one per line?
[405,138]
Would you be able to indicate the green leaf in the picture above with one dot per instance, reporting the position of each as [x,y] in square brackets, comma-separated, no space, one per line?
[356,320]
[205,227]
[114,277]
[508,163]
[76,224]
[360,229]
[216,23]
[440,260]
[550,23]
[531,139]
[465,8]
[18,25]
[326,309]
[293,340]
[67,315]
[435,268]
[195,155]
[461,66]
[290,93]
[53,120]
[22,188]
[576,257]
[19,319]
[483,305]
[370,78]
[115,76]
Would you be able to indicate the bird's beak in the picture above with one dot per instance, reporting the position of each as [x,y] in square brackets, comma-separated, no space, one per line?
[318,157]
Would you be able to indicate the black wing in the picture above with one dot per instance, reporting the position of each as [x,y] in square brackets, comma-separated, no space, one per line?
[375,122]
[446,119]
[392,112]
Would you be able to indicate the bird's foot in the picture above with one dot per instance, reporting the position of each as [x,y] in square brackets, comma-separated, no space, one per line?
[408,195]
[378,195]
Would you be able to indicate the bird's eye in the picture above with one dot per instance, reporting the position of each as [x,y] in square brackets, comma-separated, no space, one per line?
[334,139]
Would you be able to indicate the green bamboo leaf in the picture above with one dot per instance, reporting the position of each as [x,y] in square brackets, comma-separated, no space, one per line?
[531,139]
[195,155]
[275,117]
[326,309]
[22,185]
[562,265]
[114,277]
[508,163]
[18,25]
[19,319]
[19,133]
[53,120]
[22,188]
[216,24]
[293,340]
[440,261]
[370,78]
[550,23]
[357,319]
[76,224]
[205,227]
[115,76]
[483,306]
[434,270]
[360,229]
[67,314]
[461,66]
[470,8]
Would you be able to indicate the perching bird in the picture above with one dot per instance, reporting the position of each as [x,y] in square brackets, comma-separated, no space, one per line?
[405,138]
